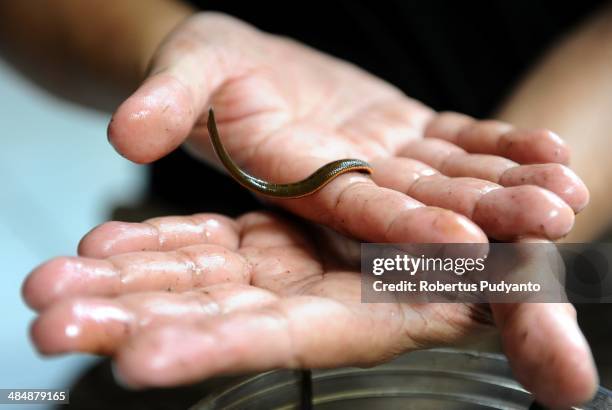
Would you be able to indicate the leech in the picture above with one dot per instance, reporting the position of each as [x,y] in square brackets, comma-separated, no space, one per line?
[310,185]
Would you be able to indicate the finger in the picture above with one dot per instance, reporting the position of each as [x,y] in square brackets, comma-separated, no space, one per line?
[186,70]
[298,332]
[362,209]
[556,178]
[540,213]
[547,352]
[503,213]
[159,234]
[97,325]
[158,117]
[352,204]
[453,161]
[499,138]
[184,269]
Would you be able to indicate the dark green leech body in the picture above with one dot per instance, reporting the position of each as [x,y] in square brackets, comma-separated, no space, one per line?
[313,183]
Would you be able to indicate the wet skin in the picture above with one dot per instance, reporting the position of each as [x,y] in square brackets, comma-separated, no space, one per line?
[308,186]
[180,298]
[285,110]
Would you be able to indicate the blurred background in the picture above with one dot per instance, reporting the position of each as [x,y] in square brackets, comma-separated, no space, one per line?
[60,177]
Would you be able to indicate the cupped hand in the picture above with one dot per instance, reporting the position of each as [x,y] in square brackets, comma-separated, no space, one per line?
[178,299]
[284,110]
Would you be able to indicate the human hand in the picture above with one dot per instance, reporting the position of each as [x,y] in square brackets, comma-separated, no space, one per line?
[178,299]
[284,110]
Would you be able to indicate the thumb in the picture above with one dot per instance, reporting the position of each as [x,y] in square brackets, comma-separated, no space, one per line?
[547,352]
[154,120]
[161,113]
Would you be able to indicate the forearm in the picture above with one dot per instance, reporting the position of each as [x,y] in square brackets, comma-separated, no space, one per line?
[570,92]
[93,51]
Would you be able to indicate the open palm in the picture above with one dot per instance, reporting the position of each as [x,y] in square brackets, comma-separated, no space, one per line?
[178,299]
[284,110]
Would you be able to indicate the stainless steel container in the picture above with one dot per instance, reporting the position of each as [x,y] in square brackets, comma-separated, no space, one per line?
[430,379]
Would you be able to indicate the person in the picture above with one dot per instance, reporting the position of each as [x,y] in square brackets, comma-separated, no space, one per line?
[260,291]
